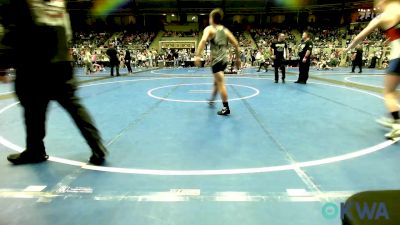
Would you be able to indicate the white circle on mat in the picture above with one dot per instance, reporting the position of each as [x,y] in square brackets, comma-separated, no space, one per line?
[151,94]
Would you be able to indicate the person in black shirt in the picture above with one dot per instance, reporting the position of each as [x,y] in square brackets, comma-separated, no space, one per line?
[128,59]
[357,59]
[305,58]
[34,33]
[374,59]
[279,51]
[114,61]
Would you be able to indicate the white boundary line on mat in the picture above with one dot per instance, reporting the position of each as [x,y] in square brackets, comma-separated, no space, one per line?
[324,161]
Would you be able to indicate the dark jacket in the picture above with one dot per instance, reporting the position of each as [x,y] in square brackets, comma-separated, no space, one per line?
[28,42]
[112,55]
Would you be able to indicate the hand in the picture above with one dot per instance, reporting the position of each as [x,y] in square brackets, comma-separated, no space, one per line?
[304,60]
[197,61]
[238,64]
[273,57]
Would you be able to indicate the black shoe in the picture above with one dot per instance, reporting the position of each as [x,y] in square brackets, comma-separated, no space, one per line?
[97,160]
[99,155]
[26,158]
[266,71]
[276,82]
[224,112]
[118,75]
[360,72]
[283,81]
[297,82]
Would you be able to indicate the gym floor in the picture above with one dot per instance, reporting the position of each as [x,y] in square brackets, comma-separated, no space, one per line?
[287,154]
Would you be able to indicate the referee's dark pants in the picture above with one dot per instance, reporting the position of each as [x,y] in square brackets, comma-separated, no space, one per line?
[36,88]
[357,63]
[116,65]
[279,64]
[304,69]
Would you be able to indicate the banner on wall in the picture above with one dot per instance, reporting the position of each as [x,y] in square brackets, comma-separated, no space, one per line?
[364,15]
[177,44]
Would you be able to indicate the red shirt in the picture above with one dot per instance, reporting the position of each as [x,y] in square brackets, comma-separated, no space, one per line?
[393,33]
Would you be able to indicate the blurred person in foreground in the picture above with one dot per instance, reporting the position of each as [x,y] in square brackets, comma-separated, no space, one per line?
[389,21]
[47,75]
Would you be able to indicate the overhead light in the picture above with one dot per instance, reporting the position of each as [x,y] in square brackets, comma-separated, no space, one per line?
[173,15]
[202,14]
[164,14]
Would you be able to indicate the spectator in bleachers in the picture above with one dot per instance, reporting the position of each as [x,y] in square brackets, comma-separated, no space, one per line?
[88,62]
[181,34]
[263,59]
